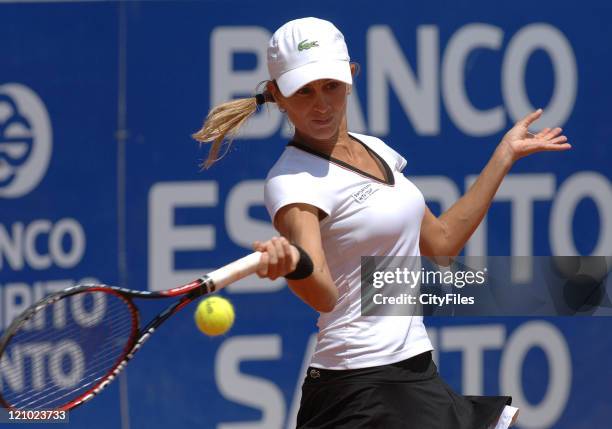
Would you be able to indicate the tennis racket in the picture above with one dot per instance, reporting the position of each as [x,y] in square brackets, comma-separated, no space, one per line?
[65,349]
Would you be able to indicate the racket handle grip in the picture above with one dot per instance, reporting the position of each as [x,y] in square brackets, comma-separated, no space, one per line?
[235,271]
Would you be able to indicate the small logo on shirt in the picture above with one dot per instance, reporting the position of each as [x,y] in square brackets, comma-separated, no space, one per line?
[314,373]
[364,193]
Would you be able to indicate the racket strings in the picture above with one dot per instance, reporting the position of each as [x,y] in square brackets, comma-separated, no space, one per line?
[37,404]
[43,334]
[81,340]
[123,319]
[43,398]
[97,370]
[44,393]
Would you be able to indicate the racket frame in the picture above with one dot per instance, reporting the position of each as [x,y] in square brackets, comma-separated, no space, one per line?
[190,291]
[204,285]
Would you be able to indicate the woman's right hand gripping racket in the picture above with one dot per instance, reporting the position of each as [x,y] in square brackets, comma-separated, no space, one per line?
[65,349]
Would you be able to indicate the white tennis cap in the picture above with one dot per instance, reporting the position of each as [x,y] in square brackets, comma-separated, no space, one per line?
[307,49]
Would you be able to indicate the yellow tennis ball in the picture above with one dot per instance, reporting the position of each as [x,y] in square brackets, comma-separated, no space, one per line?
[214,315]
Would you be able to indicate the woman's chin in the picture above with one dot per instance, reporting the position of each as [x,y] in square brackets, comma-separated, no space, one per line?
[323,132]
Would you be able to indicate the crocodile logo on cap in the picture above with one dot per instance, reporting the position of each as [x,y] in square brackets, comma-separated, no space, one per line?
[305,44]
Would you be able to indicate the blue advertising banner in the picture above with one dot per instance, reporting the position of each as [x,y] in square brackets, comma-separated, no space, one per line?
[100,181]
[58,172]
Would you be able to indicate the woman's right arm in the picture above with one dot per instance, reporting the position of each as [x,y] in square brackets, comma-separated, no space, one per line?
[299,224]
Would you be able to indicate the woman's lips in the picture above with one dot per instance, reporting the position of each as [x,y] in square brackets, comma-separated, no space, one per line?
[322,122]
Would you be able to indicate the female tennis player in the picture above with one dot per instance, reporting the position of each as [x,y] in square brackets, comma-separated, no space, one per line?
[338,195]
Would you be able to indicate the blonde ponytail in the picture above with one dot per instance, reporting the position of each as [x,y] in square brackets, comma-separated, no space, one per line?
[222,124]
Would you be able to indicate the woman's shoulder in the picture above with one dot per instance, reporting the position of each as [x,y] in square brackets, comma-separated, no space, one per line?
[297,177]
[297,163]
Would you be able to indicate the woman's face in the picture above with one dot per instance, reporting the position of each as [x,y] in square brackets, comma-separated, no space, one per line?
[317,109]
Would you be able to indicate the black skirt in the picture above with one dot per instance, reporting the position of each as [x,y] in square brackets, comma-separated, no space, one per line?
[408,394]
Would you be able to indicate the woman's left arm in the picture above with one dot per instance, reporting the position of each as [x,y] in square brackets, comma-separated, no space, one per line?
[446,235]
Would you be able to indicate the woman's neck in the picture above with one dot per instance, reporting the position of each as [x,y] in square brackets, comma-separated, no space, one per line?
[339,141]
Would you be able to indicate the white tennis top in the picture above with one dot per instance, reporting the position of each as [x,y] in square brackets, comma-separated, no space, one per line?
[365,217]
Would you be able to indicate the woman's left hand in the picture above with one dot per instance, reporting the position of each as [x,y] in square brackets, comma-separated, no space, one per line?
[519,142]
